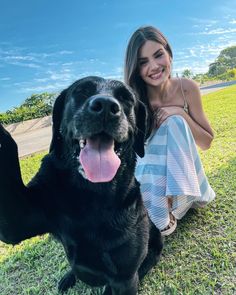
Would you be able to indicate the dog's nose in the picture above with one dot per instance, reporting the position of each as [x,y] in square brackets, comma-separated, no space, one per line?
[104,105]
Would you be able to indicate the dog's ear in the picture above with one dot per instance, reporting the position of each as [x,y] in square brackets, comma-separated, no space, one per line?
[57,114]
[141,128]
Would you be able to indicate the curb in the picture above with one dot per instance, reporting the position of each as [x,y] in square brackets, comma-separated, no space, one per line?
[29,125]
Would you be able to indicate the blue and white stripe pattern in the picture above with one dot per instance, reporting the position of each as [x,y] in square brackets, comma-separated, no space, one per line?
[172,167]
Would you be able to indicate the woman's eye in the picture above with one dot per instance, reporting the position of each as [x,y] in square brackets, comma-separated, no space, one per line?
[143,62]
[159,55]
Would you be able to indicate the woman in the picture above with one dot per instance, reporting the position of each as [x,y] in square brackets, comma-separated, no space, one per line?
[171,174]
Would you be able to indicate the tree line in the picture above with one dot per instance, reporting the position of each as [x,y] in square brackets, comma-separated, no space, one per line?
[222,69]
[35,106]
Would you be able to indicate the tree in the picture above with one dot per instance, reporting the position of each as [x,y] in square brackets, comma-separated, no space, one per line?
[46,99]
[216,68]
[227,57]
[187,73]
[35,106]
[225,61]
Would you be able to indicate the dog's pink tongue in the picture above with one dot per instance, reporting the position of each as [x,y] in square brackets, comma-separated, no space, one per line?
[99,161]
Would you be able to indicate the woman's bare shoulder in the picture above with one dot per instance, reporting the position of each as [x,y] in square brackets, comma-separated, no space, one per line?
[189,85]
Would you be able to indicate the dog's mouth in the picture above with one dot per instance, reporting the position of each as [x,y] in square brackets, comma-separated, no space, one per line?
[99,157]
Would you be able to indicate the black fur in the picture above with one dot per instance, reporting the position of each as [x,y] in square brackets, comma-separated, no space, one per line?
[104,227]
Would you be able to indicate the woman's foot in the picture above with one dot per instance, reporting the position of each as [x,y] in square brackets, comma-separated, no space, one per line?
[170,227]
[198,204]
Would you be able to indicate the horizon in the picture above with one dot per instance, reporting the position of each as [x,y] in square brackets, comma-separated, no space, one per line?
[45,46]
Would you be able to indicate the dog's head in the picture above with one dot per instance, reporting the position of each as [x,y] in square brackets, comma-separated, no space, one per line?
[96,122]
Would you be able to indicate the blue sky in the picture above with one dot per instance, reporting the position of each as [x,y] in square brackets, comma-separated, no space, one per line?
[45,45]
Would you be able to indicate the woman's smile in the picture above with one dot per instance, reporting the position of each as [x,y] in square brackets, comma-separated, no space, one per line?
[157,75]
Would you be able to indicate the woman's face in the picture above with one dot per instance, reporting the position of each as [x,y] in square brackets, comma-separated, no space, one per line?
[154,63]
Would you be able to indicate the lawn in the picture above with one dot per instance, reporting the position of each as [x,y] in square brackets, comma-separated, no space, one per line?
[199,258]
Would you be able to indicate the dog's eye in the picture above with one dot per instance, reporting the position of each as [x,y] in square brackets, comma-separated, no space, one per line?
[124,94]
[85,90]
[80,92]
[79,96]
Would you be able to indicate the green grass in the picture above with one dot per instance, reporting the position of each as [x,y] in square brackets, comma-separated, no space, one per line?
[199,258]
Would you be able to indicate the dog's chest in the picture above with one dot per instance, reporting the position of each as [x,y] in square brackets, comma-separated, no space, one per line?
[89,223]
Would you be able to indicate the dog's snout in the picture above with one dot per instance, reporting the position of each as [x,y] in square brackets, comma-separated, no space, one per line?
[104,105]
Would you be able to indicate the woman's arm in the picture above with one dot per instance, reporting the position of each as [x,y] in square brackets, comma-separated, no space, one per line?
[196,119]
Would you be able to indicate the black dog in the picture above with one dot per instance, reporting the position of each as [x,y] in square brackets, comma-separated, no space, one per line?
[85,192]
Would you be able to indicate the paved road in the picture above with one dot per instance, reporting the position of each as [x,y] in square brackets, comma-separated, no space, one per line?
[39,139]
[215,87]
[33,141]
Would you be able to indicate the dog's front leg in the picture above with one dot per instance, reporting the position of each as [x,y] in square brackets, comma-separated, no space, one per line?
[123,287]
[21,215]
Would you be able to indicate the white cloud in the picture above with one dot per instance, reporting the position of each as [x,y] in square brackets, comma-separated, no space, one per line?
[66,64]
[41,80]
[52,64]
[195,68]
[43,88]
[192,51]
[5,79]
[199,21]
[63,52]
[218,31]
[119,70]
[61,75]
[27,65]
[19,57]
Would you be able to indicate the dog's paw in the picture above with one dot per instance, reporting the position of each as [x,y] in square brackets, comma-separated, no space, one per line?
[7,143]
[8,154]
[68,281]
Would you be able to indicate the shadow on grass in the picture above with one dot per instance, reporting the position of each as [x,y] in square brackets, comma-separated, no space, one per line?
[197,259]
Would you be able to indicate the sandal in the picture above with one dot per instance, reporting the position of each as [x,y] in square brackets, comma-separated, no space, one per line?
[170,227]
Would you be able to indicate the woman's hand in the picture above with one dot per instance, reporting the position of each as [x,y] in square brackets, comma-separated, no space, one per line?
[195,118]
[161,114]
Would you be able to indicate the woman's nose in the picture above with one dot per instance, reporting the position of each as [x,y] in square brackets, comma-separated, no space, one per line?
[153,64]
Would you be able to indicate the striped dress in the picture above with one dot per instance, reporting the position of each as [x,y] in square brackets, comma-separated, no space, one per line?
[171,167]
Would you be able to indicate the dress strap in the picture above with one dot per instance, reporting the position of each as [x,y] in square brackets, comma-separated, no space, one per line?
[185,101]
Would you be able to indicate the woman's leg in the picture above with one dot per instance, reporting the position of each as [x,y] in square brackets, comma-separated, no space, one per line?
[171,174]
